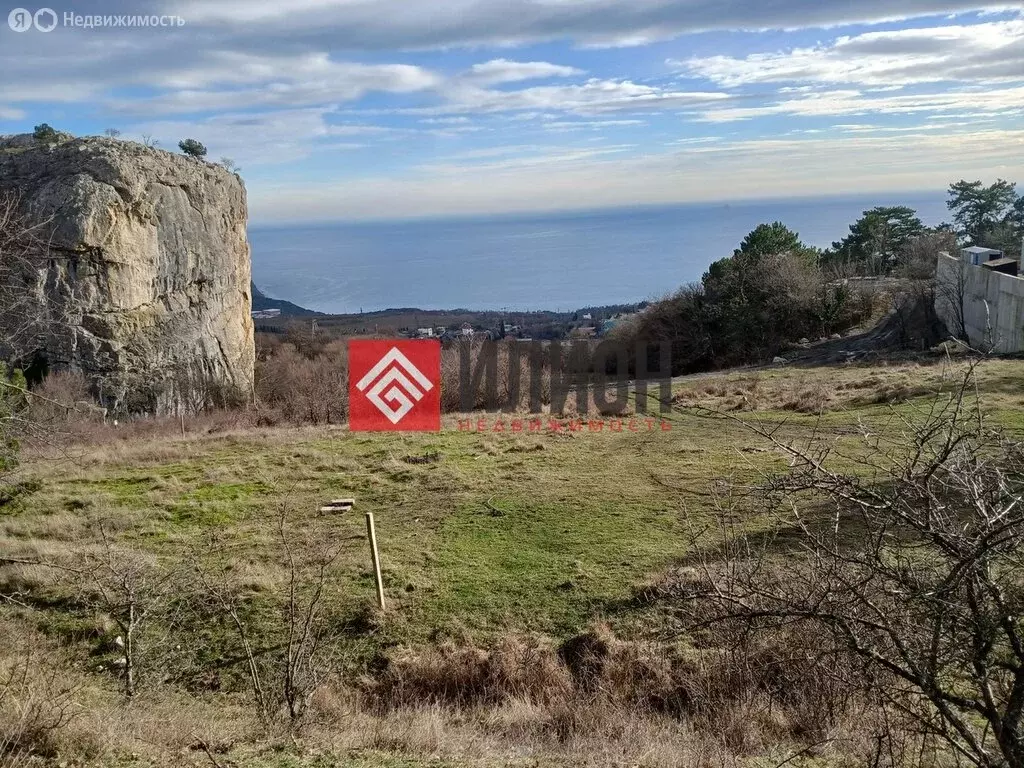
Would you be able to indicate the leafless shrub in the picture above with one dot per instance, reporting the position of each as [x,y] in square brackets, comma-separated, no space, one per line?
[37,700]
[131,588]
[507,377]
[951,291]
[921,252]
[303,389]
[516,667]
[64,399]
[284,679]
[906,560]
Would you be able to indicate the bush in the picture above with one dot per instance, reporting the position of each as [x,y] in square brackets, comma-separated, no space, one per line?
[749,307]
[905,562]
[192,148]
[63,397]
[305,389]
[12,407]
[37,697]
[451,374]
[44,134]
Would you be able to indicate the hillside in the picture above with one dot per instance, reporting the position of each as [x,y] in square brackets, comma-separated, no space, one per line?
[288,309]
[478,562]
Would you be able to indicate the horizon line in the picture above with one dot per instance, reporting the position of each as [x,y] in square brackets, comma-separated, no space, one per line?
[588,210]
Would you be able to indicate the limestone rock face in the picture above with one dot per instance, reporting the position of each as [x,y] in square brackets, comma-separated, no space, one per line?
[144,280]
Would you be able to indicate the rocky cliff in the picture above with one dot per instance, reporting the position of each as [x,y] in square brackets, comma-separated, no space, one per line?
[142,279]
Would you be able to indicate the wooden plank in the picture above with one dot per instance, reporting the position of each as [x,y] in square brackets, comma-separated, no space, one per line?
[338,505]
[371,532]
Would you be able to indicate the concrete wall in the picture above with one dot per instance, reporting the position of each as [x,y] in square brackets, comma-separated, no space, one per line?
[993,304]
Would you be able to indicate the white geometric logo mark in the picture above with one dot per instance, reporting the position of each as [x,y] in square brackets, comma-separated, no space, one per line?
[393,374]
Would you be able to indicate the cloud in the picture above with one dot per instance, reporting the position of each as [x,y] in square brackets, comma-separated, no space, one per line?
[565,126]
[351,78]
[990,52]
[591,97]
[501,159]
[504,71]
[852,102]
[458,120]
[766,168]
[390,24]
[269,138]
[269,81]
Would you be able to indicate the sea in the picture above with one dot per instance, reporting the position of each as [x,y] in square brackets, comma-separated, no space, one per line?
[551,261]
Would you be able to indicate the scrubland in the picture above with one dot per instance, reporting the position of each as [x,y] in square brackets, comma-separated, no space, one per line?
[536,586]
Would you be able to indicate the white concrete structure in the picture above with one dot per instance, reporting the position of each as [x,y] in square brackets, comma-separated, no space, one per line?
[988,305]
[977,255]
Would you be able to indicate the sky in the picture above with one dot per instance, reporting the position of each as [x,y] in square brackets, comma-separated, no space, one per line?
[379,109]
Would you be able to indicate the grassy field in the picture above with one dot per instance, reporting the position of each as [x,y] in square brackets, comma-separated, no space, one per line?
[482,535]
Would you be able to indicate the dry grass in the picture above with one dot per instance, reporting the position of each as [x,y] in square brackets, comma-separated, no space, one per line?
[842,388]
[496,548]
[597,701]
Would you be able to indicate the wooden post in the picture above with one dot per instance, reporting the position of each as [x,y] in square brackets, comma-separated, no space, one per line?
[371,531]
[182,417]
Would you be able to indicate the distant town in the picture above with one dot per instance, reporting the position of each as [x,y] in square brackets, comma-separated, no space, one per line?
[275,317]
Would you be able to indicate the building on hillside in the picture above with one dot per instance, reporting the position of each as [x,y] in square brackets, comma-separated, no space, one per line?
[976,255]
[984,302]
[265,314]
[467,329]
[425,333]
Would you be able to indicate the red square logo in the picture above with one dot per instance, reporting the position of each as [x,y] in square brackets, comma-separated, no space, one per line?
[394,386]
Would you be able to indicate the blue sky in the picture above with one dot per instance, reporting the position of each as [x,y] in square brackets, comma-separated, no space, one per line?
[376,109]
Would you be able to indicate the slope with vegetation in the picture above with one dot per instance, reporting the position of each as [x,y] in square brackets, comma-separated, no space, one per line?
[774,291]
[812,566]
[173,597]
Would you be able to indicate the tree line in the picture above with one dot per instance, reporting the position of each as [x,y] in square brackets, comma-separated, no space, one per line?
[881,241]
[775,290]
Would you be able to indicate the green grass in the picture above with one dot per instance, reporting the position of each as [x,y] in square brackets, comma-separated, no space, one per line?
[480,534]
[538,532]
